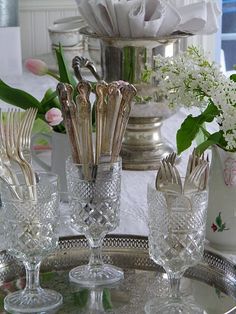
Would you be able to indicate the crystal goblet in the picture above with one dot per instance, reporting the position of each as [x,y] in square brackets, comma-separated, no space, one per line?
[177,225]
[31,229]
[95,211]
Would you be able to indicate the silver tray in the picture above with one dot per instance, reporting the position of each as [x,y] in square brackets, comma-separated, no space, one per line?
[211,284]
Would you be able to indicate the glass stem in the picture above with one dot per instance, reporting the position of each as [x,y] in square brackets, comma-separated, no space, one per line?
[95,258]
[32,276]
[174,280]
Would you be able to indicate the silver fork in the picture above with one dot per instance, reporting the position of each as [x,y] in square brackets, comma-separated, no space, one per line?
[171,158]
[168,178]
[24,141]
[5,167]
[14,131]
[197,180]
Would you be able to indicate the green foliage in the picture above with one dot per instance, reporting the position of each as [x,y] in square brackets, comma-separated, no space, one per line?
[23,100]
[80,298]
[191,127]
[129,64]
[106,299]
[233,77]
[65,74]
[17,97]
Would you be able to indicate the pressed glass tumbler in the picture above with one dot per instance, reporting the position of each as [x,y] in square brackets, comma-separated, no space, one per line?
[31,229]
[176,241]
[95,211]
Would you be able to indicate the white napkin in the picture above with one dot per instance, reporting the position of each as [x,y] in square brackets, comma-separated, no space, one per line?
[88,15]
[213,12]
[122,9]
[148,18]
[193,17]
[171,20]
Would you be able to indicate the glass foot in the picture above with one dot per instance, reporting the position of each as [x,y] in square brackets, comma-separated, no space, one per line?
[96,276]
[32,302]
[171,306]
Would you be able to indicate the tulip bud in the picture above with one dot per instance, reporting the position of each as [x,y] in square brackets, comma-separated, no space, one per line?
[54,116]
[36,66]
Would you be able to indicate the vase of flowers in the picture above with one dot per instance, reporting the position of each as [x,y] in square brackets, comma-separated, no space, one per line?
[191,80]
[49,111]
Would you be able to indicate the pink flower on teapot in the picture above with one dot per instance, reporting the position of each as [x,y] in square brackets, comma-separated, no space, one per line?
[230,171]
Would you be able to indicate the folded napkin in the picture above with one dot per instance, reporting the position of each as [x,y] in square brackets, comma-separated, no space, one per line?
[148,18]
[199,18]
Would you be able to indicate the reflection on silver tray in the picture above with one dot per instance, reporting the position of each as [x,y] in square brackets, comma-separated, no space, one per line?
[211,284]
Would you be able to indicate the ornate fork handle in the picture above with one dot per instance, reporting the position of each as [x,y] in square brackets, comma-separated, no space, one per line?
[80,62]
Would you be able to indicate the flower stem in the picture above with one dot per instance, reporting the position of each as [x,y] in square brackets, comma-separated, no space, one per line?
[54,75]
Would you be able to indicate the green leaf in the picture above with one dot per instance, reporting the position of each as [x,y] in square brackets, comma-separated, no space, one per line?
[233,77]
[65,74]
[81,298]
[48,96]
[192,125]
[17,97]
[187,133]
[50,100]
[219,220]
[222,228]
[47,277]
[216,138]
[41,126]
[2,303]
[201,136]
[209,113]
[106,299]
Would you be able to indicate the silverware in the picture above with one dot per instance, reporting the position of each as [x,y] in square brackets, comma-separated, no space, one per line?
[171,158]
[70,117]
[127,92]
[101,93]
[197,173]
[16,137]
[85,121]
[168,178]
[111,115]
[13,131]
[197,180]
[80,62]
[6,171]
[24,138]
[84,110]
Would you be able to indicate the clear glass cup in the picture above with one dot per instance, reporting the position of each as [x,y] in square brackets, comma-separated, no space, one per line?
[95,211]
[177,226]
[31,223]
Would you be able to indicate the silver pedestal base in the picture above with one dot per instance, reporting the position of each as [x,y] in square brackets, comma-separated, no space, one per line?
[143,146]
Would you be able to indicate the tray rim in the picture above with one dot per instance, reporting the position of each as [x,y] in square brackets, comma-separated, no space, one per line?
[144,239]
[223,277]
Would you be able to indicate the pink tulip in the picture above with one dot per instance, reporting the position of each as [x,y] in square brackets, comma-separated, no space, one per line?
[36,66]
[54,116]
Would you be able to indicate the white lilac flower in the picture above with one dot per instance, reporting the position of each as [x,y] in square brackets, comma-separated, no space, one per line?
[224,97]
[186,79]
[190,80]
